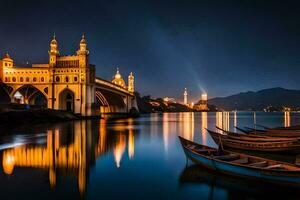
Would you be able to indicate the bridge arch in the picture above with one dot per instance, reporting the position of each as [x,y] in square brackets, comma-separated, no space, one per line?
[29,94]
[67,100]
[110,102]
[103,103]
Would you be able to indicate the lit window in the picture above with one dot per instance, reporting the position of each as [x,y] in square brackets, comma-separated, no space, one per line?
[42,79]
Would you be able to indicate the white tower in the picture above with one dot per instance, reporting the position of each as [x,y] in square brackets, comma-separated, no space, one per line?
[185,96]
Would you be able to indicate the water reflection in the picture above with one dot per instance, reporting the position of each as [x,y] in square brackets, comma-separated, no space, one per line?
[70,149]
[287,120]
[223,120]
[220,186]
[92,158]
[166,130]
[204,127]
[186,125]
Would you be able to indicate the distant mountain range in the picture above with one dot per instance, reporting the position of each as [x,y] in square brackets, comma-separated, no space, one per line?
[274,97]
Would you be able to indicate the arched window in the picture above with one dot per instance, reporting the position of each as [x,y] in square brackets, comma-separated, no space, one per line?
[42,79]
[57,79]
[75,79]
[27,79]
[67,79]
[6,79]
[34,79]
[21,79]
[14,79]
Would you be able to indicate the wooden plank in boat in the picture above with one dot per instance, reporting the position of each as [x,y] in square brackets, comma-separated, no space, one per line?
[258,164]
[241,161]
[227,157]
[274,166]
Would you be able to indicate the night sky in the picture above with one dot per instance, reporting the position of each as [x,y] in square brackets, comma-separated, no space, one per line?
[221,47]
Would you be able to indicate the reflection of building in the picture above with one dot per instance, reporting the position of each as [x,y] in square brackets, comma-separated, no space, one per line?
[70,150]
[186,125]
[202,104]
[222,120]
[204,127]
[287,119]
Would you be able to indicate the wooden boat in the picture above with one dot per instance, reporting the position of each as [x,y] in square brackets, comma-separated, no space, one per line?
[242,134]
[265,146]
[241,164]
[271,133]
[254,138]
[295,127]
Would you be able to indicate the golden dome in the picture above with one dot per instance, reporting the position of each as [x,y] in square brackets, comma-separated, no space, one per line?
[118,80]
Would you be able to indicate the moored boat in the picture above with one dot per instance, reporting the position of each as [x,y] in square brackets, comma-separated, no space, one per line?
[271,133]
[241,164]
[255,145]
[254,137]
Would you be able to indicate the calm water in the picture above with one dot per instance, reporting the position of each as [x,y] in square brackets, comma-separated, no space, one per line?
[126,159]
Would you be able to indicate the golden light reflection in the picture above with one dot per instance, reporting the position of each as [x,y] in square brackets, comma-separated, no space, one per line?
[8,163]
[234,120]
[166,130]
[102,138]
[219,120]
[71,153]
[130,139]
[287,119]
[131,144]
[119,149]
[186,126]
[204,127]
[222,120]
[52,156]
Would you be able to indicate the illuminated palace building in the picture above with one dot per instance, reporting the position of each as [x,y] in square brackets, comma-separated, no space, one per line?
[70,150]
[67,83]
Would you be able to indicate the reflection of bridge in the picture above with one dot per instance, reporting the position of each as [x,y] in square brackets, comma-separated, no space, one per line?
[70,150]
[66,83]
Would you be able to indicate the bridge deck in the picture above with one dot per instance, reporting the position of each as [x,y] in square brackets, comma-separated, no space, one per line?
[107,84]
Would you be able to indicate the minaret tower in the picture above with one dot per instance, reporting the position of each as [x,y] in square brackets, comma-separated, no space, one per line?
[83,52]
[185,97]
[131,82]
[53,53]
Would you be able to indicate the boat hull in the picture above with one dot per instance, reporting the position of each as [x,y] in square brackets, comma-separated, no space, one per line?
[292,178]
[275,146]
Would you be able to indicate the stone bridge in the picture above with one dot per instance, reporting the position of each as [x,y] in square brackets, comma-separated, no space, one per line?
[66,83]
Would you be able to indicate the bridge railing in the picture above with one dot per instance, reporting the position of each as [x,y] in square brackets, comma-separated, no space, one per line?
[111,85]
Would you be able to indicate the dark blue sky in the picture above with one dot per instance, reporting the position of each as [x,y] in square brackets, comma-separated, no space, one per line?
[222,47]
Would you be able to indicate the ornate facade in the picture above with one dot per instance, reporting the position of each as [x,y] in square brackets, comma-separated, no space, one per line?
[65,83]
